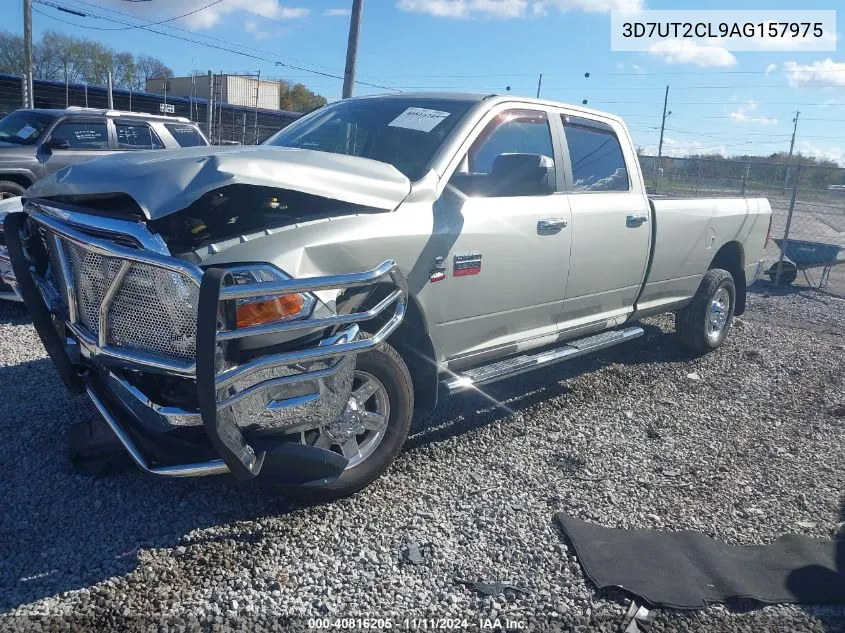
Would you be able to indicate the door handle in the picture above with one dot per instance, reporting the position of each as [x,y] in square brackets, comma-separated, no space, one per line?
[551,224]
[635,220]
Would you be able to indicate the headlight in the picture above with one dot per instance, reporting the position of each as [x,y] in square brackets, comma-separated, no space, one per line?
[269,309]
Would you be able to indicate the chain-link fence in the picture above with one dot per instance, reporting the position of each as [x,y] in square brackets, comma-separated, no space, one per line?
[808,209]
[229,124]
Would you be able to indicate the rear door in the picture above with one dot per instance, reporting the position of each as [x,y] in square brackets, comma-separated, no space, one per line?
[611,230]
[134,135]
[85,139]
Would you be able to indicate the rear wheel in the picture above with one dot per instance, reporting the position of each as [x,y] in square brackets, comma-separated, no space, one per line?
[788,273]
[704,323]
[9,189]
[373,427]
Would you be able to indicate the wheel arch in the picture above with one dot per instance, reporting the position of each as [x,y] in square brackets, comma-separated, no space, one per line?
[731,257]
[413,343]
[18,178]
[411,339]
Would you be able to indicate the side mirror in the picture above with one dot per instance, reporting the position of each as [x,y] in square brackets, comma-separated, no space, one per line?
[57,143]
[523,175]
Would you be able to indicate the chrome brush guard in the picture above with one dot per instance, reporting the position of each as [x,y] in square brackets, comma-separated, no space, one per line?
[94,286]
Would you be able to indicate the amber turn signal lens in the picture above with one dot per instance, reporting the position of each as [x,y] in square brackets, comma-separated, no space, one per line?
[270,310]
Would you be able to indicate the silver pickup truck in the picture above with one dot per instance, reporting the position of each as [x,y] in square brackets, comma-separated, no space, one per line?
[278,312]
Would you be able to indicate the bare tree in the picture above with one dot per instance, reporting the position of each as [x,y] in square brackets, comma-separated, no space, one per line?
[150,68]
[11,53]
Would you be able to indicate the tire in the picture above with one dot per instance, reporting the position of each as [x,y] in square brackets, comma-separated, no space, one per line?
[386,365]
[696,324]
[9,189]
[788,273]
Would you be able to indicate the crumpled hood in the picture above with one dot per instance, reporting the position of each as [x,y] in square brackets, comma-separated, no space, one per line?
[165,181]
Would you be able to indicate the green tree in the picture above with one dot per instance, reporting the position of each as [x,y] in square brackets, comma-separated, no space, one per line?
[60,57]
[298,98]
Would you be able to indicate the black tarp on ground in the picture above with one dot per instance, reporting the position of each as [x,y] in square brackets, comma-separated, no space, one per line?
[688,570]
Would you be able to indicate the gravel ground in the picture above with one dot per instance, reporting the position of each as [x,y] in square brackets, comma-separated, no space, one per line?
[745,453]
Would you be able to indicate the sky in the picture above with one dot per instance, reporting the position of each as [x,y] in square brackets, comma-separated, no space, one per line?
[720,101]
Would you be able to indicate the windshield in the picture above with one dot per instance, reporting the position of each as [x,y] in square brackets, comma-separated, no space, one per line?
[405,133]
[24,127]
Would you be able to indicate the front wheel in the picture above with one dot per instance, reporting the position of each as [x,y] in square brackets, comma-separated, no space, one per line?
[704,323]
[9,189]
[373,427]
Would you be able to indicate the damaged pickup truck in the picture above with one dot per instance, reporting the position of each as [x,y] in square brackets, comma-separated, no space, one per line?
[278,312]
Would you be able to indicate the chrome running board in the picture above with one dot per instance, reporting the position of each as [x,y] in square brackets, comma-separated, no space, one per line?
[521,364]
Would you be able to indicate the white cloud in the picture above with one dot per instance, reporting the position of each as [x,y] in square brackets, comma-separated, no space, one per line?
[335,13]
[691,52]
[509,9]
[678,147]
[771,68]
[208,17]
[746,113]
[825,72]
[836,154]
[251,26]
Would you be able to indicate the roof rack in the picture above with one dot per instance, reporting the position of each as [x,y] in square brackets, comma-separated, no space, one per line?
[147,115]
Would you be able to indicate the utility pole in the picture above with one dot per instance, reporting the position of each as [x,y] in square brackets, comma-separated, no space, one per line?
[539,85]
[27,49]
[791,147]
[352,48]
[660,145]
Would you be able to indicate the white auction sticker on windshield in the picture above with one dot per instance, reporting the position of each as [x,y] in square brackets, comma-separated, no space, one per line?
[421,119]
[25,132]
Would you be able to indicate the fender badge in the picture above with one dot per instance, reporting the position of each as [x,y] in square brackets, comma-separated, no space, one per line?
[466,264]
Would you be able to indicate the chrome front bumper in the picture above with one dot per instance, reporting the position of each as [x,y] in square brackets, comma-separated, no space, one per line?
[282,392]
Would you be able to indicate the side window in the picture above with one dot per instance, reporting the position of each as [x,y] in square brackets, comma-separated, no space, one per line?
[82,134]
[513,156]
[596,156]
[185,135]
[136,136]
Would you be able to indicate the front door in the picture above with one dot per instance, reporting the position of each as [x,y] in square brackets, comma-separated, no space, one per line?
[75,141]
[505,274]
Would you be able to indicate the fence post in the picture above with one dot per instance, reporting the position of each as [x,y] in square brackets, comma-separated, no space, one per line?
[788,223]
[209,108]
[111,94]
[698,187]
[745,178]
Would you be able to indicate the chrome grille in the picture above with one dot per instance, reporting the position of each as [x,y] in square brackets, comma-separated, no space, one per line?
[153,310]
[91,274]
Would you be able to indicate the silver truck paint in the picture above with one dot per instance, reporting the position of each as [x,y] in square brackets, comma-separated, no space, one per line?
[609,258]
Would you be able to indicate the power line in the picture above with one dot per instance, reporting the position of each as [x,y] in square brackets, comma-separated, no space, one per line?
[227,50]
[210,37]
[127,28]
[734,103]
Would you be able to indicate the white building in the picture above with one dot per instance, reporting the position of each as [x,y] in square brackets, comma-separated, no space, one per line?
[236,90]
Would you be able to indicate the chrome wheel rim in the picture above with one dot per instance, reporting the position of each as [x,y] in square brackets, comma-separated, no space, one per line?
[362,425]
[717,317]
